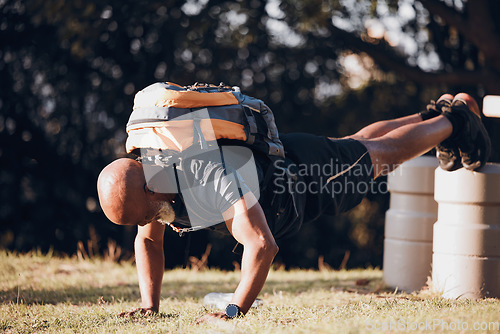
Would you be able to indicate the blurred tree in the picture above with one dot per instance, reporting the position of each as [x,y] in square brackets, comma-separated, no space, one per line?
[70,70]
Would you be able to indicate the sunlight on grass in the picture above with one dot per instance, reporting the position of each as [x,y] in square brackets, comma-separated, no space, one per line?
[47,294]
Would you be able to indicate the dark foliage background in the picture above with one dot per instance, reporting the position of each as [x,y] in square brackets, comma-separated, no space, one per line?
[69,71]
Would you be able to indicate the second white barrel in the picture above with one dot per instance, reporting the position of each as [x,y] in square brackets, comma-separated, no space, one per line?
[466,260]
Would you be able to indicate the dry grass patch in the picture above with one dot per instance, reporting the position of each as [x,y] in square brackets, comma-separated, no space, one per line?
[47,294]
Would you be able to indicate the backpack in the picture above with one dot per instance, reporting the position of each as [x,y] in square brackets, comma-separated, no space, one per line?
[169,117]
[170,122]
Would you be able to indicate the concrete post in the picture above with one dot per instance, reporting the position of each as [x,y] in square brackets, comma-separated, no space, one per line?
[466,259]
[408,224]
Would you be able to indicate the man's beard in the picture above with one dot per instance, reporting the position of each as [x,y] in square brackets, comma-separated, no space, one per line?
[166,214]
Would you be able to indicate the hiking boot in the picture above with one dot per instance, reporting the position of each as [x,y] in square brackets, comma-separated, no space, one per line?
[447,152]
[472,140]
[448,156]
[434,109]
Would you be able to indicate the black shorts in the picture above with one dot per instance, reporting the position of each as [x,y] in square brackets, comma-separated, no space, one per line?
[334,175]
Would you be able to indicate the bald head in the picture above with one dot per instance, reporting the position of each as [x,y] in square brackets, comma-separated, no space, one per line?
[122,193]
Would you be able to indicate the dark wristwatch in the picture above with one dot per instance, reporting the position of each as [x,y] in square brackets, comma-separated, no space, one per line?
[233,311]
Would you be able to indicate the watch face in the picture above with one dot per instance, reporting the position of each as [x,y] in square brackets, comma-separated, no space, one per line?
[232,311]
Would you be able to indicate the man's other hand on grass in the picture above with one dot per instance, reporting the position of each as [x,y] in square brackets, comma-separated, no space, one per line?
[139,312]
[212,317]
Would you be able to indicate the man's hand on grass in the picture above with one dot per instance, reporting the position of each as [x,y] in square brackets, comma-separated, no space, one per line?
[212,317]
[139,311]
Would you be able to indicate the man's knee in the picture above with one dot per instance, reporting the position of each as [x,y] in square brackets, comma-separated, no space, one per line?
[384,158]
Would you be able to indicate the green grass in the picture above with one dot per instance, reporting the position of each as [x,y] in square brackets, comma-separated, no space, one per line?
[47,294]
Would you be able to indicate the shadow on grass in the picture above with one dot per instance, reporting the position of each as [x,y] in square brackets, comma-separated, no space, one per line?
[358,285]
[180,290]
[72,295]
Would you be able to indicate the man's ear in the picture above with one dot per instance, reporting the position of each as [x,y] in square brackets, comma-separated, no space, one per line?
[147,190]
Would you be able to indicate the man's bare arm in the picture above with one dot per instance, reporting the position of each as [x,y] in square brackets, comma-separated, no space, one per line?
[249,227]
[150,262]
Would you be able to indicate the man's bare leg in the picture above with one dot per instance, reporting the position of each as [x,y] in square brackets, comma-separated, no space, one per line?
[381,128]
[406,142]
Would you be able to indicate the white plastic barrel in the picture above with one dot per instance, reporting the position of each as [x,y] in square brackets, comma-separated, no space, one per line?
[408,224]
[466,259]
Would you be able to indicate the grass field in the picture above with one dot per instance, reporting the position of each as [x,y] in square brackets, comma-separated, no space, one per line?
[47,294]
